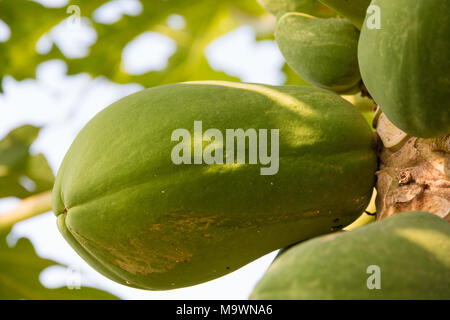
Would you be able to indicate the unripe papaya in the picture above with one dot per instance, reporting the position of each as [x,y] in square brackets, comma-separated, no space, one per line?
[312,7]
[405,256]
[322,51]
[146,220]
[405,64]
[353,10]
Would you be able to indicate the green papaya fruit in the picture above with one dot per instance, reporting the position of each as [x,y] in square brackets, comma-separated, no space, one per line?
[146,220]
[405,64]
[322,51]
[405,256]
[353,10]
[312,7]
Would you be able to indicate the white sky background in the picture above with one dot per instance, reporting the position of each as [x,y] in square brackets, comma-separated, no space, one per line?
[63,105]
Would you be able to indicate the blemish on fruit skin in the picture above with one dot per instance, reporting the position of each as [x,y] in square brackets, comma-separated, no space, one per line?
[188,222]
[136,257]
[335,228]
[311,213]
[155,227]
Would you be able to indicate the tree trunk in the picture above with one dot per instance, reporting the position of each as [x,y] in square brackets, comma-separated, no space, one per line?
[414,173]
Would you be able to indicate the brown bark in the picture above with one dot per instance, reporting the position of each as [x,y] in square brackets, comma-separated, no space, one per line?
[414,173]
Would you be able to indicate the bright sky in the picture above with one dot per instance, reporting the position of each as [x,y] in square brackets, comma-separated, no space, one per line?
[65,104]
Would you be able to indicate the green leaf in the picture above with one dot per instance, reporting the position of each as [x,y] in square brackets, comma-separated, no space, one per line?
[205,21]
[20,268]
[28,21]
[23,174]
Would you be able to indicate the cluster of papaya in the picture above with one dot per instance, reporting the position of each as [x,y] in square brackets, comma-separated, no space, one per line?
[398,49]
[180,184]
[319,40]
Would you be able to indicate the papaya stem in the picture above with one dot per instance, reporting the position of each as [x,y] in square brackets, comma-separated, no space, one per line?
[414,172]
[27,208]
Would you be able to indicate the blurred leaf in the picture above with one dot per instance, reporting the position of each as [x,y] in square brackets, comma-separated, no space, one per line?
[27,21]
[205,21]
[39,171]
[20,268]
[23,174]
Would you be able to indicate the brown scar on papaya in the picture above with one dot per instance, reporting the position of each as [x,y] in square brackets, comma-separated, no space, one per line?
[156,260]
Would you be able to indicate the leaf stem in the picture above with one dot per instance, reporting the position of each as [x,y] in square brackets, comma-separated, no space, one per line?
[27,208]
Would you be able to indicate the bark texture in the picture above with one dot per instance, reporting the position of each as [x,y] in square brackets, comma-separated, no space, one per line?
[414,173]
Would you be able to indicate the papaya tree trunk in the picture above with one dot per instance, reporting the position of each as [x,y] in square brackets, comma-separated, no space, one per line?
[414,173]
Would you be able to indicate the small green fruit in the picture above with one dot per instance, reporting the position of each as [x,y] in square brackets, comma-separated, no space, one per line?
[405,64]
[321,51]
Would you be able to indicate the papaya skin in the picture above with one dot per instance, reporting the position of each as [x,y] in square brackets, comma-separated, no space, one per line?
[86,255]
[322,51]
[312,7]
[145,222]
[411,249]
[352,10]
[405,65]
